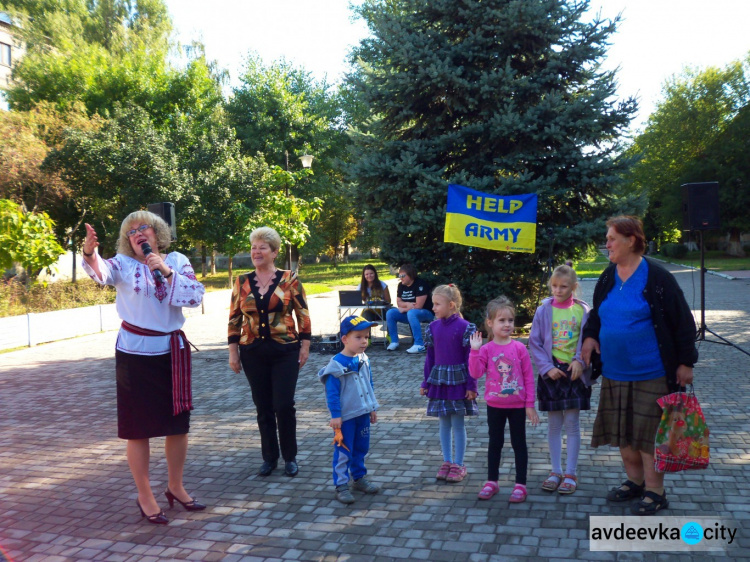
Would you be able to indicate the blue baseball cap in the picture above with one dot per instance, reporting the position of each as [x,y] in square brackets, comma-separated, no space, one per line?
[354,323]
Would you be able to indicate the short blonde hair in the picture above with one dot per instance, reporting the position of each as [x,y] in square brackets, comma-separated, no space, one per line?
[451,293]
[267,235]
[160,226]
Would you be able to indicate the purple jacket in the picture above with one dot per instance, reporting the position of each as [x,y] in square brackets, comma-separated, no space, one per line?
[447,344]
[540,339]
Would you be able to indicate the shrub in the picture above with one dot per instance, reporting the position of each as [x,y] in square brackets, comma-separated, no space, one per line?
[674,250]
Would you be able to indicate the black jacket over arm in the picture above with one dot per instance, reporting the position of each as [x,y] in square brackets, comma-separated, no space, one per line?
[673,320]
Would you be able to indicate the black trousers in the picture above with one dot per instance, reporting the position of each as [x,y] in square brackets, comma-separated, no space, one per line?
[496,418]
[272,374]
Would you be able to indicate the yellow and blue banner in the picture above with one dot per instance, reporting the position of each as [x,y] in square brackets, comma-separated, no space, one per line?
[506,223]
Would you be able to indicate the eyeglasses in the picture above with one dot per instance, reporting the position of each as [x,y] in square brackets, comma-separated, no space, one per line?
[401,275]
[135,231]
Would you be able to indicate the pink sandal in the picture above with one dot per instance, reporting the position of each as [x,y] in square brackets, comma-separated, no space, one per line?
[518,495]
[456,474]
[444,470]
[489,489]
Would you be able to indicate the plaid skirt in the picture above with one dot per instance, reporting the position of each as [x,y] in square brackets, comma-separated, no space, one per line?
[437,408]
[628,415]
[563,393]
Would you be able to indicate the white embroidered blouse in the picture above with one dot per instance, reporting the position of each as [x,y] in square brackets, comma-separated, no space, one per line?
[144,303]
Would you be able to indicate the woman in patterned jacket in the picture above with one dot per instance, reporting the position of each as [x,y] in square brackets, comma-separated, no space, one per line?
[266,344]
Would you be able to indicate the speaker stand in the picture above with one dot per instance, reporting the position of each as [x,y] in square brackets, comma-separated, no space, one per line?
[701,335]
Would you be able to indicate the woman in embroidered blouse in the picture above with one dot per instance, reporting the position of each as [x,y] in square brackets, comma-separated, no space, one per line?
[152,356]
[264,342]
[644,329]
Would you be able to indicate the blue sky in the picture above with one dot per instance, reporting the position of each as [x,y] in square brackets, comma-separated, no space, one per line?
[656,39]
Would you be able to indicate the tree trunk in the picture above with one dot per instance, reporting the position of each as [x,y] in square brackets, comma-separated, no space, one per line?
[203,260]
[295,258]
[346,252]
[229,269]
[734,247]
[213,261]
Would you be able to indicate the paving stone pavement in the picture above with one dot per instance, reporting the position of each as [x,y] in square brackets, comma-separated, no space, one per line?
[66,492]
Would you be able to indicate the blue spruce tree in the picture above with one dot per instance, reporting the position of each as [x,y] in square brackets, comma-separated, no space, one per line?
[503,96]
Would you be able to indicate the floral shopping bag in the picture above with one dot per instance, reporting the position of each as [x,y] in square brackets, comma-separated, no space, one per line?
[682,438]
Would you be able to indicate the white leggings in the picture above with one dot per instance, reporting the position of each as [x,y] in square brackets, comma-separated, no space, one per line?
[554,438]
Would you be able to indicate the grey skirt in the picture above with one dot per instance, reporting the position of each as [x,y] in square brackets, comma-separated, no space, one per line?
[628,415]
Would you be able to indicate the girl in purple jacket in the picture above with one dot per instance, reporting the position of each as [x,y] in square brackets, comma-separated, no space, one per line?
[563,385]
[451,391]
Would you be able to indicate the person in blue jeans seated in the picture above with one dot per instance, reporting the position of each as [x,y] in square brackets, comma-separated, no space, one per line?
[413,305]
[351,401]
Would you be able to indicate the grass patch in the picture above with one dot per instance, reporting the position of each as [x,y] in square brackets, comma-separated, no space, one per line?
[715,261]
[591,268]
[15,299]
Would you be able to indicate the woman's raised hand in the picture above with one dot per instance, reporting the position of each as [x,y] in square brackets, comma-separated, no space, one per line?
[91,242]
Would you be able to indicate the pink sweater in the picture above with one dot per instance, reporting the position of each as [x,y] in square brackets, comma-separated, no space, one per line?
[510,377]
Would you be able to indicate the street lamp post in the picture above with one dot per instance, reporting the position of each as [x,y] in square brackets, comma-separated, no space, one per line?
[306,160]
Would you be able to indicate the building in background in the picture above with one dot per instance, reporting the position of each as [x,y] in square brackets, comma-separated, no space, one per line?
[11,50]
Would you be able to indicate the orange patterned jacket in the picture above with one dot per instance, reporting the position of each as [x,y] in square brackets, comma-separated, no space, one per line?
[254,318]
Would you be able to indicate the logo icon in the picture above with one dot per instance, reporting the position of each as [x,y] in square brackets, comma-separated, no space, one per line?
[691,533]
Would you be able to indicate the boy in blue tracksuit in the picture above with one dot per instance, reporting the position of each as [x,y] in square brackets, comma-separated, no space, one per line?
[351,401]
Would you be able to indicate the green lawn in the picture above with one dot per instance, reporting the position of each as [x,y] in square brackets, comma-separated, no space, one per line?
[591,268]
[316,278]
[715,261]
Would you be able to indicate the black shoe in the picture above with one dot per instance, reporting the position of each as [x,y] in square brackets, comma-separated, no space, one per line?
[267,468]
[192,505]
[291,468]
[632,491]
[156,519]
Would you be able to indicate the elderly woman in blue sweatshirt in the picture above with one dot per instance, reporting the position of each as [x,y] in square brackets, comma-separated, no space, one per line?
[351,400]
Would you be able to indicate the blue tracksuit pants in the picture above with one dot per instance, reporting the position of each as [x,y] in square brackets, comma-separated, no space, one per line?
[356,434]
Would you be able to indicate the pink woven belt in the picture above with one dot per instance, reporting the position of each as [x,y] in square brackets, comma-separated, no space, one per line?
[182,395]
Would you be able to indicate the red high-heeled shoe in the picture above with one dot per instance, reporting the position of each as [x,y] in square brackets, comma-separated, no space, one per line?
[193,505]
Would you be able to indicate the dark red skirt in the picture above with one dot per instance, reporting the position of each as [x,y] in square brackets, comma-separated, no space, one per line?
[144,397]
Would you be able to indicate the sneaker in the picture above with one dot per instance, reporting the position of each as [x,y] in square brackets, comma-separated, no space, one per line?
[364,485]
[393,346]
[343,494]
[445,468]
[456,474]
[416,349]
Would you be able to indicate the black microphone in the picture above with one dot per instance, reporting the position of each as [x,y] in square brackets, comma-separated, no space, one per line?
[146,247]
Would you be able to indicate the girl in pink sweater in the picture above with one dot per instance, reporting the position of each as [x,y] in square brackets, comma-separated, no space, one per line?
[509,392]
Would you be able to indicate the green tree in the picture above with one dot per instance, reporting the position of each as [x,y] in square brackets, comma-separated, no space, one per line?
[503,96]
[336,227]
[29,138]
[281,113]
[726,160]
[103,53]
[682,139]
[26,238]
[121,167]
